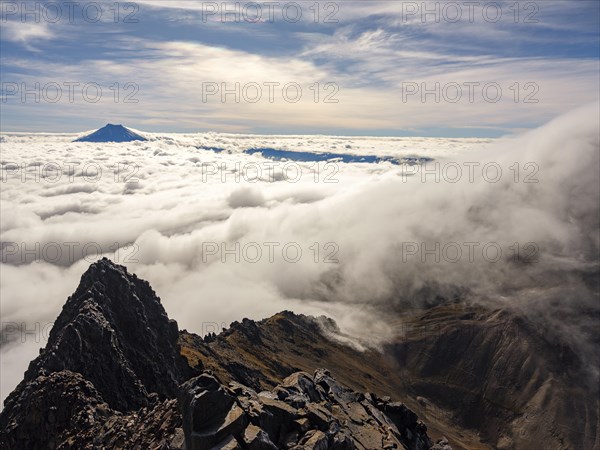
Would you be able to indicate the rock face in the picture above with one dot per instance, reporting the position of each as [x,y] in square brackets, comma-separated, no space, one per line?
[112,345]
[303,413]
[112,133]
[40,410]
[65,411]
[112,376]
[114,331]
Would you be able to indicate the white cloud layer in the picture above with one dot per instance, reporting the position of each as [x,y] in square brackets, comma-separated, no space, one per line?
[172,207]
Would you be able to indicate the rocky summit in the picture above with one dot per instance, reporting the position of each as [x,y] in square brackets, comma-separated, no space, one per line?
[113,375]
[112,133]
[114,332]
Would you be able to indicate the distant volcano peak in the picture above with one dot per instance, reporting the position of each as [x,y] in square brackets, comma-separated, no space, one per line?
[112,133]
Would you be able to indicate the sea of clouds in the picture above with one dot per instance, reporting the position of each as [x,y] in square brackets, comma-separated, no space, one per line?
[222,235]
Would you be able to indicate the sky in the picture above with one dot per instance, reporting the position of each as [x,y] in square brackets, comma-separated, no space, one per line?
[451,69]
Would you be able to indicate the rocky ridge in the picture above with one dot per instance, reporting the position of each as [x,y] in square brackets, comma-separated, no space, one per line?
[114,332]
[112,375]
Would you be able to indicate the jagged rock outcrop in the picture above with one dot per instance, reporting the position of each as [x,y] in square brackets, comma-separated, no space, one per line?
[114,351]
[65,411]
[39,411]
[114,331]
[303,413]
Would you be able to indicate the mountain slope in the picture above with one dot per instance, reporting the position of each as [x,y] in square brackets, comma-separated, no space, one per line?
[521,386]
[480,378]
[261,354]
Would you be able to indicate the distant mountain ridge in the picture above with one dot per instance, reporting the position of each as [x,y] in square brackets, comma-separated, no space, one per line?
[112,133]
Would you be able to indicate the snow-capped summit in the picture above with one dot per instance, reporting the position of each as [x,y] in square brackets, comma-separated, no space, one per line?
[112,133]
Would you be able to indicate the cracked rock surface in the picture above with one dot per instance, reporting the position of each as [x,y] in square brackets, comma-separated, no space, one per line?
[304,412]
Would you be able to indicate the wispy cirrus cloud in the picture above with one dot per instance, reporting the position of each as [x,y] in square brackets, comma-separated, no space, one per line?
[370,52]
[26,34]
